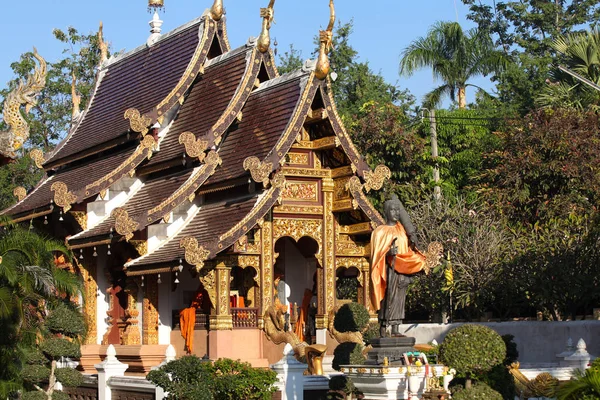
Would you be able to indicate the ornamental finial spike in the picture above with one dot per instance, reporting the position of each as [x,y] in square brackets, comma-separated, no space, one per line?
[102,44]
[74,96]
[156,4]
[217,10]
[325,42]
[264,40]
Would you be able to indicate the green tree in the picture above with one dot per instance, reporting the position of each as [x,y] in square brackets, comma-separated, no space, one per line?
[29,282]
[455,57]
[290,61]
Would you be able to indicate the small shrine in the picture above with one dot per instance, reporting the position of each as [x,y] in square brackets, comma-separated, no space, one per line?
[211,203]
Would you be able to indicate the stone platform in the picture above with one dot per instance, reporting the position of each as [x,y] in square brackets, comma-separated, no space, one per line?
[390,347]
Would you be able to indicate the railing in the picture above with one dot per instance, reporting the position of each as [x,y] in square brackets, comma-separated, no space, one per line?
[201,320]
[244,318]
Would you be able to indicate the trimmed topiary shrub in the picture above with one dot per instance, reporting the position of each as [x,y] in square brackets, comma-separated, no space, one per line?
[65,321]
[479,391]
[35,373]
[351,317]
[340,387]
[57,347]
[34,396]
[472,350]
[371,333]
[69,377]
[347,354]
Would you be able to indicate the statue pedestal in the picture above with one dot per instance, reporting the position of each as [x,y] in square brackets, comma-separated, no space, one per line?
[390,347]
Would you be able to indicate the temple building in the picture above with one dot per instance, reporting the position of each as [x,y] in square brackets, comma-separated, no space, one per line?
[200,187]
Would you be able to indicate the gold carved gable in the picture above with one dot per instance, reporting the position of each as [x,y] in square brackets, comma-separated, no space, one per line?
[297,228]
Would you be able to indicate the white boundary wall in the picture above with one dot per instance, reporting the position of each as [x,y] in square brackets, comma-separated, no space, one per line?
[538,342]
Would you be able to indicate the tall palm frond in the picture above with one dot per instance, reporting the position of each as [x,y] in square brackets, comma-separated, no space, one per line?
[585,383]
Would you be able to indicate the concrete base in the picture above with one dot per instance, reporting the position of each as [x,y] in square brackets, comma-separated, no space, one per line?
[389,383]
[391,348]
[141,358]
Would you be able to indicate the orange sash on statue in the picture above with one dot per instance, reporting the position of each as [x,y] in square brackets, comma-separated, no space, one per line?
[406,261]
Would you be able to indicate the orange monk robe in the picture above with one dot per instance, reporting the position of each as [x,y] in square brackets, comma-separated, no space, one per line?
[187,322]
[406,261]
[303,314]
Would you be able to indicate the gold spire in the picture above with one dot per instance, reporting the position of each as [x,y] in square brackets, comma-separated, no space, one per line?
[216,11]
[74,96]
[156,4]
[325,42]
[102,44]
[264,40]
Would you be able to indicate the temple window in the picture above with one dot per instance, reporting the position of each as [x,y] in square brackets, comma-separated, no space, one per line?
[347,285]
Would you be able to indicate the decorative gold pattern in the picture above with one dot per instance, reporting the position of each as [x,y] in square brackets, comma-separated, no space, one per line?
[259,170]
[301,191]
[62,196]
[340,192]
[132,336]
[38,157]
[325,41]
[209,282]
[374,180]
[307,172]
[264,40]
[329,243]
[356,229]
[193,148]
[80,217]
[124,225]
[141,246]
[20,193]
[297,228]
[138,123]
[90,296]
[102,44]
[24,94]
[150,311]
[289,209]
[297,158]
[217,10]
[194,255]
[223,274]
[347,247]
[267,262]
[434,252]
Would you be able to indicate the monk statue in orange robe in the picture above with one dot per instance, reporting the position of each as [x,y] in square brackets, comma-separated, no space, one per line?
[395,259]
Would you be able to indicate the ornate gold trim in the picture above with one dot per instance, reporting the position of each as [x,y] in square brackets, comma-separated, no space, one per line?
[102,44]
[81,218]
[374,180]
[20,193]
[260,171]
[137,122]
[194,255]
[124,225]
[38,158]
[217,10]
[291,209]
[194,148]
[141,246]
[62,196]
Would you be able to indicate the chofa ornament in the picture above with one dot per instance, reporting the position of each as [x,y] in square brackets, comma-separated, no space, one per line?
[23,95]
[325,42]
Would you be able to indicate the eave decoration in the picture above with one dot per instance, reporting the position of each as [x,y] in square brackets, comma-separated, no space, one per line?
[194,254]
[374,179]
[124,225]
[138,123]
[20,192]
[194,148]
[62,196]
[217,10]
[38,157]
[325,43]
[260,171]
[24,94]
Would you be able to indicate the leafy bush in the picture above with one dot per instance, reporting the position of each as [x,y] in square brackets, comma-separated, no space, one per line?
[584,386]
[351,317]
[193,378]
[348,353]
[499,379]
[34,396]
[371,333]
[472,350]
[34,356]
[35,373]
[69,377]
[58,395]
[65,321]
[57,347]
[340,387]
[479,391]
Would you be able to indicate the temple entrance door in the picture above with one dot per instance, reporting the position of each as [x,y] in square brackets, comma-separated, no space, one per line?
[295,277]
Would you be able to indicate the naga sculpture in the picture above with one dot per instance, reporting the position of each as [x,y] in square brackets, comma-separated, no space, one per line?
[24,94]
[325,43]
[264,39]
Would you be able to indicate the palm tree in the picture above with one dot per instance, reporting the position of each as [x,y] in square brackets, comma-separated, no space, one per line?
[585,385]
[455,57]
[29,282]
[581,54]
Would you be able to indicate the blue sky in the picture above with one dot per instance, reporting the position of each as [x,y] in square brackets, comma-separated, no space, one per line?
[380,34]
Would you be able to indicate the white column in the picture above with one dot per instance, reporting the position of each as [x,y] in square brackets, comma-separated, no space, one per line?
[290,375]
[107,369]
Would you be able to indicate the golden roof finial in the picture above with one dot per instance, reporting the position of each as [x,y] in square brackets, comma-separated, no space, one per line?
[74,96]
[264,40]
[217,11]
[102,44]
[325,42]
[156,4]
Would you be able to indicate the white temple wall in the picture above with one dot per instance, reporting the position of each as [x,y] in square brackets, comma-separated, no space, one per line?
[103,301]
[164,308]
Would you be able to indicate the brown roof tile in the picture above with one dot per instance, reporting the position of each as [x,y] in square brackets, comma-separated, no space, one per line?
[265,117]
[75,178]
[151,194]
[139,80]
[211,221]
[206,102]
